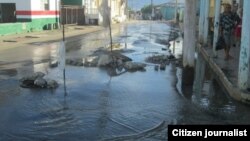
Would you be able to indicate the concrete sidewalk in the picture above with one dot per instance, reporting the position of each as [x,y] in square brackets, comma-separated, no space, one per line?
[226,71]
[17,40]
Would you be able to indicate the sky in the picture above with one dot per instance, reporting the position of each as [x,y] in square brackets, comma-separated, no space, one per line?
[138,4]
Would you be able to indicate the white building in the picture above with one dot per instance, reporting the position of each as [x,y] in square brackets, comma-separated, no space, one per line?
[28,15]
[98,11]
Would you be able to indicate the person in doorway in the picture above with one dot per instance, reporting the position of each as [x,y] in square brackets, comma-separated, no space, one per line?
[228,21]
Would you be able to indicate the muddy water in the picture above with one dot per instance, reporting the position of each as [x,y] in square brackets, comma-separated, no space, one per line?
[96,106]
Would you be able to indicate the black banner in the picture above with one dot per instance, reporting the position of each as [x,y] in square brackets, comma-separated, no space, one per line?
[208,132]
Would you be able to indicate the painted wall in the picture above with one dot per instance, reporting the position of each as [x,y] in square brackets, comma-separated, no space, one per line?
[36,5]
[27,9]
[31,16]
[168,13]
[37,10]
[20,4]
[10,28]
[24,27]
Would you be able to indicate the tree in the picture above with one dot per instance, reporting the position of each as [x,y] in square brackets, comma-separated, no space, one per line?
[147,12]
[147,9]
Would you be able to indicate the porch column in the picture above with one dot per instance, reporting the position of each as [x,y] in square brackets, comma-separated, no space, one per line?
[189,44]
[199,74]
[201,21]
[244,50]
[189,41]
[216,24]
[206,21]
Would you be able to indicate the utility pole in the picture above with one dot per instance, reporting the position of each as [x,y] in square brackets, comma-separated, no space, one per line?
[152,15]
[176,10]
[126,29]
[61,6]
[110,29]
[127,10]
[152,8]
[62,49]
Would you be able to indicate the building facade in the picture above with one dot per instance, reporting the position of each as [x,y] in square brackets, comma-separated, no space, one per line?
[100,11]
[73,12]
[118,10]
[18,16]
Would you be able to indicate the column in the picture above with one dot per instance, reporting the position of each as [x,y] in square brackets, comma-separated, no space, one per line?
[206,21]
[199,74]
[244,50]
[189,42]
[216,24]
[201,21]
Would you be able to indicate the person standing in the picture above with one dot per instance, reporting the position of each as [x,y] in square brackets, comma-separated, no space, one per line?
[228,21]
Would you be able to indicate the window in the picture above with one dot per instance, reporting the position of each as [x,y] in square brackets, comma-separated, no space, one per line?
[46,4]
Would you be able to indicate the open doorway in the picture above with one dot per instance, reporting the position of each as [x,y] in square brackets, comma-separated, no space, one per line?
[7,12]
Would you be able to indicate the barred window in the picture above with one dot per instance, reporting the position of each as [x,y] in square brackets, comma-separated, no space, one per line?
[46,4]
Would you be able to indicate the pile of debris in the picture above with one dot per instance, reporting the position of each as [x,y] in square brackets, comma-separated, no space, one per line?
[160,59]
[37,80]
[115,60]
[106,59]
[75,62]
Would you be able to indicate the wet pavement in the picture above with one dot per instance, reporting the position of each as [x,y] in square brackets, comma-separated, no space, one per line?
[229,67]
[96,106]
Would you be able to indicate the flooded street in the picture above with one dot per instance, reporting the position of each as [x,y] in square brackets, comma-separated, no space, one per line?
[131,106]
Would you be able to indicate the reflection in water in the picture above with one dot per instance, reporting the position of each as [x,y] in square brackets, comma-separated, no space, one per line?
[104,113]
[113,71]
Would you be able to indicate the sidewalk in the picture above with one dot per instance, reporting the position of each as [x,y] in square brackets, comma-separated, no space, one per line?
[17,40]
[226,71]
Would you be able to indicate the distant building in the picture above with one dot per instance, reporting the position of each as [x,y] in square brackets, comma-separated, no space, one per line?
[98,11]
[118,10]
[167,10]
[92,12]
[17,16]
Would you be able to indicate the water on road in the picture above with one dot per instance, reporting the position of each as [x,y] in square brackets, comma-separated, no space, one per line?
[97,106]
